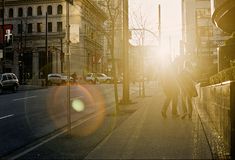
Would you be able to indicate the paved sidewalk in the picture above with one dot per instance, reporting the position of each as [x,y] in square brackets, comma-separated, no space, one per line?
[146,135]
[143,134]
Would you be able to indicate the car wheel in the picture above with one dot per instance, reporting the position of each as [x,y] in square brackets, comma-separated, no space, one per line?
[97,81]
[14,89]
[1,90]
[49,83]
[108,81]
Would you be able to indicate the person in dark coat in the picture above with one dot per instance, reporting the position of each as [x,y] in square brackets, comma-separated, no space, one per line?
[188,89]
[171,90]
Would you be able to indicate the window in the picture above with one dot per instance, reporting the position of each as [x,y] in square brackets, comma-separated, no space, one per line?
[59,26]
[49,10]
[9,77]
[20,27]
[30,11]
[20,12]
[4,77]
[11,13]
[39,11]
[39,27]
[49,27]
[30,28]
[59,9]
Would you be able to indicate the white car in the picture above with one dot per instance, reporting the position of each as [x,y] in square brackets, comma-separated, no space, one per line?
[98,78]
[57,79]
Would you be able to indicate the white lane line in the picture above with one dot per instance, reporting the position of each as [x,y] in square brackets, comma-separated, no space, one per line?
[75,98]
[79,122]
[19,99]
[4,117]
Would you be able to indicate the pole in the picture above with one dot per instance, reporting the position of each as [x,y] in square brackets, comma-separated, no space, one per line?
[3,35]
[61,55]
[126,96]
[46,45]
[68,67]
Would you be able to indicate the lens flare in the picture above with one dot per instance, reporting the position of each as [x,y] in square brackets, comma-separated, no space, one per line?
[78,105]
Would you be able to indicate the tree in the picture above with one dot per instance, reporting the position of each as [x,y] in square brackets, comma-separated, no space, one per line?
[113,10]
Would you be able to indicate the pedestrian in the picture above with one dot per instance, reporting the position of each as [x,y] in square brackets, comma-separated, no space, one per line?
[171,90]
[187,89]
[75,77]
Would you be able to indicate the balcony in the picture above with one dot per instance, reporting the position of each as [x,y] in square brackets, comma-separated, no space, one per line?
[223,16]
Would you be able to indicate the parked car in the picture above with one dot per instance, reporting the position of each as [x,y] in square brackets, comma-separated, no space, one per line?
[98,78]
[58,79]
[8,81]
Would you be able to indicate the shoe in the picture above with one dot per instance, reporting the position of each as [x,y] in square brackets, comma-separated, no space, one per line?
[183,116]
[190,116]
[175,115]
[164,114]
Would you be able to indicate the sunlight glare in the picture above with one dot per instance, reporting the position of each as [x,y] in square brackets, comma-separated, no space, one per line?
[78,105]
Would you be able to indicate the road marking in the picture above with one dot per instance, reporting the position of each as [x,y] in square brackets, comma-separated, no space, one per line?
[75,98]
[79,122]
[4,117]
[19,99]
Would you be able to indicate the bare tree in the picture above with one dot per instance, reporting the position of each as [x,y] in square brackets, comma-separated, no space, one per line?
[113,10]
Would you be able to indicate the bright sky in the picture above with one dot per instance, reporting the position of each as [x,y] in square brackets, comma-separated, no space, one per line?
[171,21]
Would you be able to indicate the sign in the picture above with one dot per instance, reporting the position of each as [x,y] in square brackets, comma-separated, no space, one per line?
[7,33]
[74,33]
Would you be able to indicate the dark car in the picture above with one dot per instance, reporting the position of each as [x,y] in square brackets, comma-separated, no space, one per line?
[8,81]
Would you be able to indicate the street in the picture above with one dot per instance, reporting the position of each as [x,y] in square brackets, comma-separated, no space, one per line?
[28,115]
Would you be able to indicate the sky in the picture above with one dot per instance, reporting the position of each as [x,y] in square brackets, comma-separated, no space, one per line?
[171,21]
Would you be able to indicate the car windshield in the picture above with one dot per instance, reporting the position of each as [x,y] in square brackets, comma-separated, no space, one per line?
[117,79]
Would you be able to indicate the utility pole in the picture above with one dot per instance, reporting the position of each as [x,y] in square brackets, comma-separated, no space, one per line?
[126,97]
[46,45]
[3,35]
[68,66]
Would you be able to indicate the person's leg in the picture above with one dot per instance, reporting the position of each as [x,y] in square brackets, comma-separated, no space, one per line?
[165,106]
[184,107]
[174,105]
[190,107]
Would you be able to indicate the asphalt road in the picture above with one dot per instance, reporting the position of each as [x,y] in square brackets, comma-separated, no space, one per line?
[28,115]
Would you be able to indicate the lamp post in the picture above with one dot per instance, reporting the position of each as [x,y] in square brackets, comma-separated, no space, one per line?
[126,96]
[3,34]
[46,45]
[68,65]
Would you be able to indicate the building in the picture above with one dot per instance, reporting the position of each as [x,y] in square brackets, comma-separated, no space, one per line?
[223,13]
[27,56]
[200,37]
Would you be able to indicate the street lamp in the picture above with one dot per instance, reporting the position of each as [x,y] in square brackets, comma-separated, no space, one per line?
[68,64]
[126,96]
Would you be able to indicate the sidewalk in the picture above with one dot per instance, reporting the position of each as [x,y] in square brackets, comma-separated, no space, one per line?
[142,134]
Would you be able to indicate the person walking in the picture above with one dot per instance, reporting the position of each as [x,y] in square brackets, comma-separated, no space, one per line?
[171,90]
[187,89]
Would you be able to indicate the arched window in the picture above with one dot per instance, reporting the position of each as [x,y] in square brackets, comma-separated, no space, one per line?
[20,12]
[49,10]
[39,11]
[59,9]
[30,11]
[11,13]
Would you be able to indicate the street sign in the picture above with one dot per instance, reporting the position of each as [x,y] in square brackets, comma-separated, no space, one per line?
[1,53]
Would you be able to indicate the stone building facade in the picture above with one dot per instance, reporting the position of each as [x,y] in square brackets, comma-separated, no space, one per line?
[27,55]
